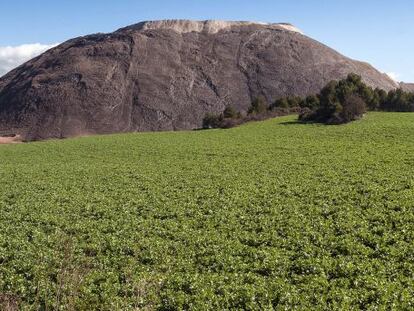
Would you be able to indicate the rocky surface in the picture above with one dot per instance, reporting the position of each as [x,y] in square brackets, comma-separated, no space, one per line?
[408,87]
[165,75]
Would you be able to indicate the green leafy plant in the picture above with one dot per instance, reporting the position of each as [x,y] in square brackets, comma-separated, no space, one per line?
[273,215]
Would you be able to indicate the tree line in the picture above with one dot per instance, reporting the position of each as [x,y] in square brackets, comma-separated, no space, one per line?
[338,102]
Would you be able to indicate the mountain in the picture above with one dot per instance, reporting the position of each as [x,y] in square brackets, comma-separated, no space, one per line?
[408,87]
[165,75]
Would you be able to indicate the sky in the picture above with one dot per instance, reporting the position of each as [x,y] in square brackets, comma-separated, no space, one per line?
[377,31]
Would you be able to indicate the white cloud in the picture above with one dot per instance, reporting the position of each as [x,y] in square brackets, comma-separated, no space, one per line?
[394,76]
[13,56]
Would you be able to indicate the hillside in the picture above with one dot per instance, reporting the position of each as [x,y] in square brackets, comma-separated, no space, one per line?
[408,87]
[165,75]
[271,214]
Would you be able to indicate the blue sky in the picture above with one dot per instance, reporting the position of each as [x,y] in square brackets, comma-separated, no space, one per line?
[380,32]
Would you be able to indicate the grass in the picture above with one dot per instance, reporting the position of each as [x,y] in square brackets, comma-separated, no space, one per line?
[270,215]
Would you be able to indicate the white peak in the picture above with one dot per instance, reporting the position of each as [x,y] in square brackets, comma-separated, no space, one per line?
[208,26]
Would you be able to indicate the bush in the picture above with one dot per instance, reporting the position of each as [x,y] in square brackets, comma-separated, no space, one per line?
[287,102]
[229,118]
[230,113]
[310,102]
[306,114]
[398,100]
[211,121]
[280,103]
[340,101]
[229,123]
[352,109]
[294,101]
[259,105]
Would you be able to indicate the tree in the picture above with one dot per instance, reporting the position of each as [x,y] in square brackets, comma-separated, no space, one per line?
[353,78]
[338,102]
[398,100]
[382,97]
[329,102]
[353,108]
[311,102]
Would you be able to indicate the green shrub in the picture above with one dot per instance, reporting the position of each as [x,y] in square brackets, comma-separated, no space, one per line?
[352,109]
[306,114]
[311,102]
[212,120]
[229,118]
[294,101]
[398,100]
[259,105]
[339,101]
[230,113]
[281,103]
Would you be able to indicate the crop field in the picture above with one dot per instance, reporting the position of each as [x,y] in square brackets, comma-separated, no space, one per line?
[272,215]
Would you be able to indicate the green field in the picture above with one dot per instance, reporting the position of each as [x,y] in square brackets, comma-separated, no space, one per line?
[269,215]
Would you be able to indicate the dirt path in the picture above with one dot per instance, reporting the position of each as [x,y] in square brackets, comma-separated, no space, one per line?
[10,140]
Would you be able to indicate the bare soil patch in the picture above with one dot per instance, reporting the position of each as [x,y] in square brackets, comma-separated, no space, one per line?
[10,140]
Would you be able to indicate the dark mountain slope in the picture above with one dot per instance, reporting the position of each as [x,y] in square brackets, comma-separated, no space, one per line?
[408,87]
[165,75]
